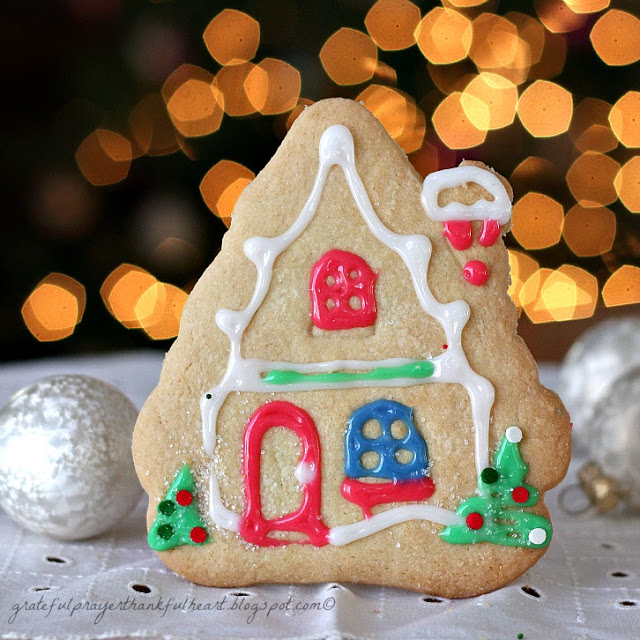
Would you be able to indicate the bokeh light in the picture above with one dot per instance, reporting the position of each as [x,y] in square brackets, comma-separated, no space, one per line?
[230,81]
[222,185]
[616,38]
[302,104]
[590,179]
[521,268]
[557,16]
[159,310]
[622,287]
[545,109]
[625,119]
[590,130]
[450,77]
[537,221]
[232,37]
[392,24]
[554,57]
[531,32]
[444,36]
[589,231]
[627,184]
[151,128]
[494,42]
[587,6]
[104,157]
[54,308]
[273,86]
[349,56]
[121,291]
[498,98]
[454,127]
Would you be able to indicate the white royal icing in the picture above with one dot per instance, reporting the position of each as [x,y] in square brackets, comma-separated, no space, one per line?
[537,536]
[305,472]
[336,148]
[497,209]
[513,434]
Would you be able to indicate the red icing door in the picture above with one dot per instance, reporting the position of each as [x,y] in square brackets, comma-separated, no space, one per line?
[254,528]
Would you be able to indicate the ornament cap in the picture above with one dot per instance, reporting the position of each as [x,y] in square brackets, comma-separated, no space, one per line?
[603,491]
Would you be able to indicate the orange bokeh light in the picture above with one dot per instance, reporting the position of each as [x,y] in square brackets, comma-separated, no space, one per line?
[521,268]
[444,36]
[532,174]
[624,119]
[537,221]
[494,42]
[545,109]
[450,77]
[230,81]
[590,130]
[589,231]
[104,157]
[622,287]
[349,56]
[392,24]
[121,291]
[222,185]
[385,73]
[54,308]
[159,310]
[587,6]
[497,95]
[196,107]
[554,56]
[557,16]
[273,86]
[627,184]
[151,127]
[453,126]
[590,179]
[232,37]
[616,38]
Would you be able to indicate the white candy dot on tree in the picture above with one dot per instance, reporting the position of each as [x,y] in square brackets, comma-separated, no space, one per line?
[537,535]
[514,434]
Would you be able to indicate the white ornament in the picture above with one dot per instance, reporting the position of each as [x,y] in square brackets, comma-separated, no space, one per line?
[66,467]
[537,536]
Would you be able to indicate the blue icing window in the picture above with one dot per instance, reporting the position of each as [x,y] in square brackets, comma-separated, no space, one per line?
[400,456]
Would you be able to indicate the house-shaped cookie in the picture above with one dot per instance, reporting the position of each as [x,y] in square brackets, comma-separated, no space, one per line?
[347,399]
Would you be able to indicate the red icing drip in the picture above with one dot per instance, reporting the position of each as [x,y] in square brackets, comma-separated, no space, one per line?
[490,233]
[184,498]
[254,528]
[198,535]
[520,494]
[474,520]
[458,232]
[367,495]
[475,272]
[331,308]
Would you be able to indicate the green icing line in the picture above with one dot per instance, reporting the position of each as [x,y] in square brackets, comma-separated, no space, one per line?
[505,521]
[417,369]
[173,524]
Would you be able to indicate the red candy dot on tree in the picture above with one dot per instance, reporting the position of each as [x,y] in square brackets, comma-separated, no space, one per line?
[474,520]
[475,272]
[520,494]
[445,346]
[198,535]
[184,498]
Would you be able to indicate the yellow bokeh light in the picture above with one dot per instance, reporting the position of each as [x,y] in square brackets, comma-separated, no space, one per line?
[537,221]
[590,179]
[554,56]
[453,126]
[557,17]
[444,36]
[616,38]
[54,308]
[349,56]
[587,6]
[545,109]
[531,32]
[151,127]
[622,287]
[624,119]
[196,107]
[230,81]
[232,37]
[104,157]
[303,103]
[392,24]
[590,130]
[521,268]
[273,86]
[499,97]
[532,174]
[627,184]
[122,290]
[494,43]
[465,4]
[222,185]
[385,73]
[589,231]
[159,310]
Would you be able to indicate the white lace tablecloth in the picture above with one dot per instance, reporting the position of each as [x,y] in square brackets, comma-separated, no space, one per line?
[114,586]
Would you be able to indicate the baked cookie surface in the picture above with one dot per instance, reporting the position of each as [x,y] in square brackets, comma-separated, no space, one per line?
[348,399]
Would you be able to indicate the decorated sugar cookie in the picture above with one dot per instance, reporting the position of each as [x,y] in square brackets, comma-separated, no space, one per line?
[348,399]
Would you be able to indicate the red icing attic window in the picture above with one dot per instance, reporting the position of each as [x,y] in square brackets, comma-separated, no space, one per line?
[342,291]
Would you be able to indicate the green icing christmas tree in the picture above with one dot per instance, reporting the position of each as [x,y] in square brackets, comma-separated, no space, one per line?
[497,515]
[178,522]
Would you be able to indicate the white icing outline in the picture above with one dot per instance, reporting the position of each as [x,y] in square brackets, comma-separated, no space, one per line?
[497,209]
[337,148]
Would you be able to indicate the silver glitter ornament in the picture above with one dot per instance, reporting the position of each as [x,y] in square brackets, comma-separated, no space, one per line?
[596,359]
[66,467]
